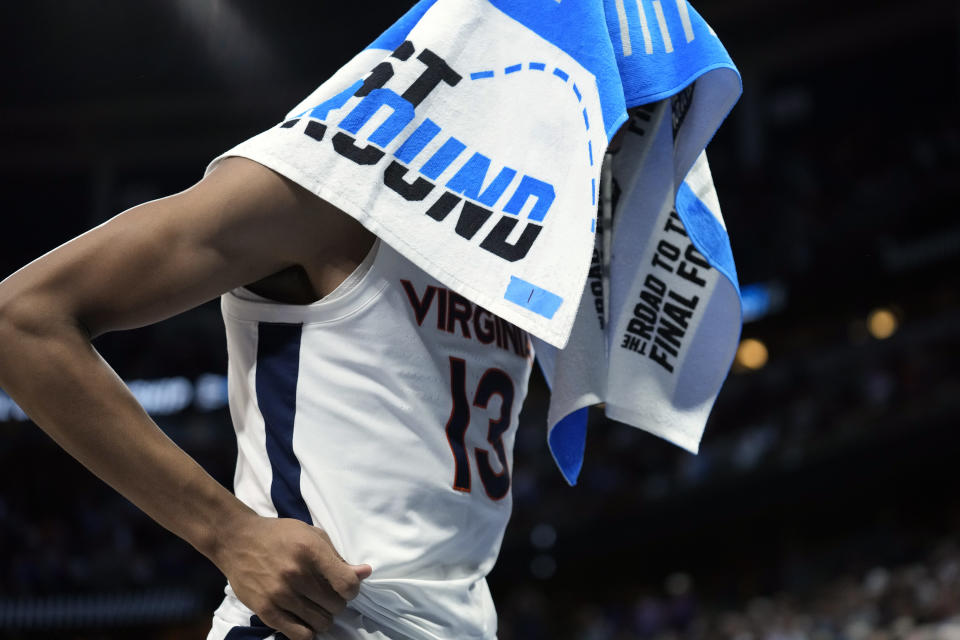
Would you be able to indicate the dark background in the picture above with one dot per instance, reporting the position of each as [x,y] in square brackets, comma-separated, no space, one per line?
[825,501]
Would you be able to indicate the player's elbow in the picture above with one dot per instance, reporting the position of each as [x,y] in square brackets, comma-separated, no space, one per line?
[12,325]
[29,334]
[28,314]
[16,318]
[11,312]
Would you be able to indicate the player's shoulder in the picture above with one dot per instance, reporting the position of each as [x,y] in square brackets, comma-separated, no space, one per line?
[315,244]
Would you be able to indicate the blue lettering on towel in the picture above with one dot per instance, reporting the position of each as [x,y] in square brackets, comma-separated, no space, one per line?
[473,185]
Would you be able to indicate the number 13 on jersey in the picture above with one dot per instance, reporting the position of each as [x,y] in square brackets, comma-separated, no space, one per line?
[492,382]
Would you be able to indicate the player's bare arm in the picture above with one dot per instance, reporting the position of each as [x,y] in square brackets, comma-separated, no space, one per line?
[239,225]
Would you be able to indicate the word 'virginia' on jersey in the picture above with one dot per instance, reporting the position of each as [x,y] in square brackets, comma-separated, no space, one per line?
[455,314]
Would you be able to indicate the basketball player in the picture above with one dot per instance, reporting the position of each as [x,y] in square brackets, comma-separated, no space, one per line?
[375,409]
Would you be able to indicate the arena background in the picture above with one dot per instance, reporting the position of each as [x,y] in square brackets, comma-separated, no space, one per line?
[826,501]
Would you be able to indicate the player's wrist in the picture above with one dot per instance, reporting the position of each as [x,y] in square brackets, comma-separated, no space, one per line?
[216,535]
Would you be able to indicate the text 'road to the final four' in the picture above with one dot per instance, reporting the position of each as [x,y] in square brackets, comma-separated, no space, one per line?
[465,187]
[662,315]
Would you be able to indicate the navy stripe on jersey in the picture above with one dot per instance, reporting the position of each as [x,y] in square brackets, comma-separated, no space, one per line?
[278,366]
[256,631]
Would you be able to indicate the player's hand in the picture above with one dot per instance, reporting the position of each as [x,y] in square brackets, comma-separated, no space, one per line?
[288,573]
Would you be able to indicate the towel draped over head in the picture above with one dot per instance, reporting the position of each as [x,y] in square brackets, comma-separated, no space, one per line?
[470,136]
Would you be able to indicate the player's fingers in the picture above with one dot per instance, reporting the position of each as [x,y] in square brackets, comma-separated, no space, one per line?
[320,533]
[286,623]
[319,592]
[331,567]
[318,617]
[339,576]
[362,571]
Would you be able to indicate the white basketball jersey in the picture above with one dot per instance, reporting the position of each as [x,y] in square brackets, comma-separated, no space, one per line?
[386,415]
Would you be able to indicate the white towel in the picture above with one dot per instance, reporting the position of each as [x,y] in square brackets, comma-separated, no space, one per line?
[470,137]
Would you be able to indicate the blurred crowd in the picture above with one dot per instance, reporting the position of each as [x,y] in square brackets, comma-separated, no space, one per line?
[917,601]
[63,531]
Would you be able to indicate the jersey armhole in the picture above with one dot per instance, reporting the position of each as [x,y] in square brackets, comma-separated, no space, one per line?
[356,276]
[357,289]
[351,282]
